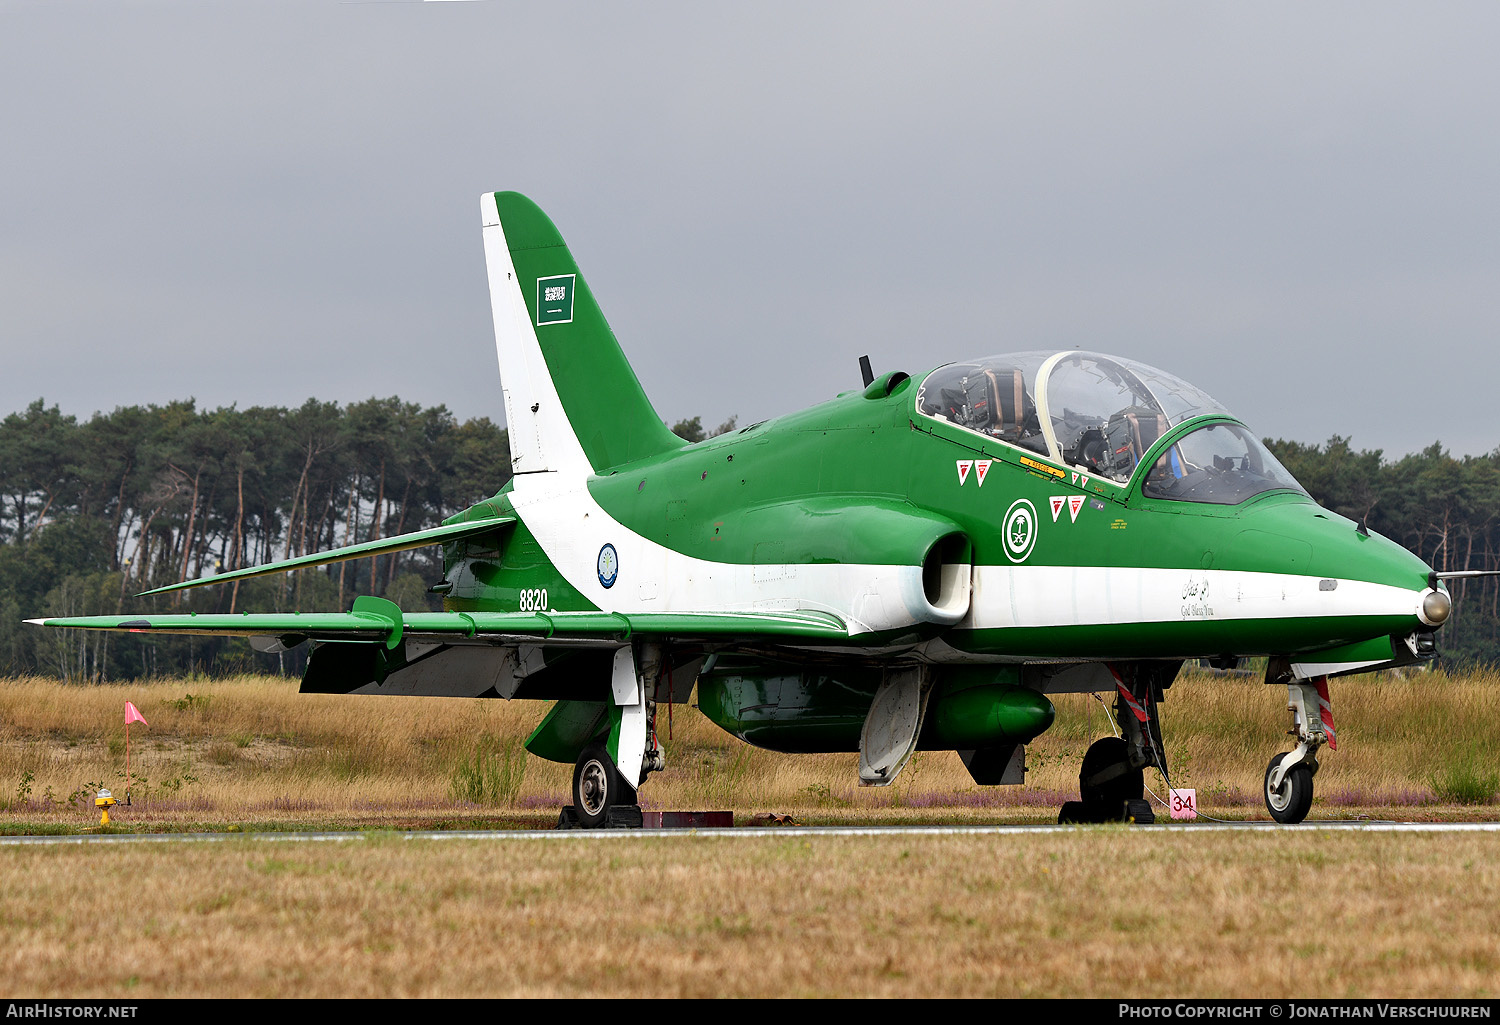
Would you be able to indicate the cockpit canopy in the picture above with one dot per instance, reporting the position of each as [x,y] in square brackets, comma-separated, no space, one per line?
[1101,414]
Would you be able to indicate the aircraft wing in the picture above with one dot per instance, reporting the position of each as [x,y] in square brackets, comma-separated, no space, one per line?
[382,621]
[381,546]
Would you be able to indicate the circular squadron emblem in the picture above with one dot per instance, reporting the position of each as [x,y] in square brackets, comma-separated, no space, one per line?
[1019,528]
[609,565]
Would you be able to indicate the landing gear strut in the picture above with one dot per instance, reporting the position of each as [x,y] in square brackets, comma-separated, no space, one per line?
[1112,782]
[1289,777]
[600,787]
[605,777]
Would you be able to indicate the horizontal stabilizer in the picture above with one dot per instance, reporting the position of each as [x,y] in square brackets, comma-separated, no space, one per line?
[379,622]
[381,546]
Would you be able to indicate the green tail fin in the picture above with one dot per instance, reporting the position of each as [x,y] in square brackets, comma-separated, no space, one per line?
[571,397]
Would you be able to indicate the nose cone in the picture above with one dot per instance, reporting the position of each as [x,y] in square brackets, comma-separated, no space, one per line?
[1366,582]
[1306,538]
[1435,608]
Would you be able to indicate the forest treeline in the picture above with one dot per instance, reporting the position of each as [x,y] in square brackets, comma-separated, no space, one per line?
[1445,509]
[94,511]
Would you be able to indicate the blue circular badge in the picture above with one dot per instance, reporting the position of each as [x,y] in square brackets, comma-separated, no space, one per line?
[609,565]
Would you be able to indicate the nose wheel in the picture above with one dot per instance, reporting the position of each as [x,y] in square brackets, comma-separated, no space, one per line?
[1289,777]
[1289,797]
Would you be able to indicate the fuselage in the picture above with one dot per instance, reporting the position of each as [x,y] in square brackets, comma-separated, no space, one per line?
[840,507]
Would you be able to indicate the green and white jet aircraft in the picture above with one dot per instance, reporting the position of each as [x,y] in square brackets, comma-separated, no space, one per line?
[913,565]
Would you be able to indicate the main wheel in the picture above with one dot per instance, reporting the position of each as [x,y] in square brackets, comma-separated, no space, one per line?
[1290,803]
[1107,776]
[597,787]
[1073,812]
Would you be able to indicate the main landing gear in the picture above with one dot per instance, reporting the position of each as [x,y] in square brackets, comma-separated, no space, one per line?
[1289,777]
[1112,782]
[602,796]
[598,787]
[1113,790]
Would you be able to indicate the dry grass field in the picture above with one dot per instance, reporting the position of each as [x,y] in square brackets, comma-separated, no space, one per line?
[1097,911]
[251,752]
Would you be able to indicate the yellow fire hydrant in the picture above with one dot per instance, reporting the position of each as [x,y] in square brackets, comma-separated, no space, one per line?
[103,803]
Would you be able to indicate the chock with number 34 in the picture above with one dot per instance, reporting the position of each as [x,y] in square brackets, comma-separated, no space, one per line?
[915,564]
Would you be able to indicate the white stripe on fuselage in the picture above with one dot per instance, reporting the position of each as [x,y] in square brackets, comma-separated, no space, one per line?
[1030,596]
[572,527]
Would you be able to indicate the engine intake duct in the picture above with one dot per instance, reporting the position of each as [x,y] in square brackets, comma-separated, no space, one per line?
[947,575]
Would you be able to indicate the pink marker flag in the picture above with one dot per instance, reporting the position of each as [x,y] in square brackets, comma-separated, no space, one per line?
[133,714]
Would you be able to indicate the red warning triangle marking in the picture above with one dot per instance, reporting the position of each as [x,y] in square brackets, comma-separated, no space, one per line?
[964,466]
[1075,503]
[1057,504]
[981,467]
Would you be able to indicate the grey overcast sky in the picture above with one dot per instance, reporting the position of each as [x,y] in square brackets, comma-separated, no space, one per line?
[1296,206]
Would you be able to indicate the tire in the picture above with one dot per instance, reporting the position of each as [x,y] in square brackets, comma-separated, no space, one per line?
[1290,804]
[597,787]
[1072,812]
[1110,757]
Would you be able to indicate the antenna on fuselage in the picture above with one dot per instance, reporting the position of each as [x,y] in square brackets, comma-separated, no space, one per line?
[865,371]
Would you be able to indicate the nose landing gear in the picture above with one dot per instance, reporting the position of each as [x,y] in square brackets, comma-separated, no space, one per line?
[1289,777]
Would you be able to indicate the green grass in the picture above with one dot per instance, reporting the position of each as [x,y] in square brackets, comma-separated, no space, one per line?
[493,774]
[1466,777]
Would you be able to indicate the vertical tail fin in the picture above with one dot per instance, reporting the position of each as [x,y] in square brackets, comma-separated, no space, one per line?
[572,402]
